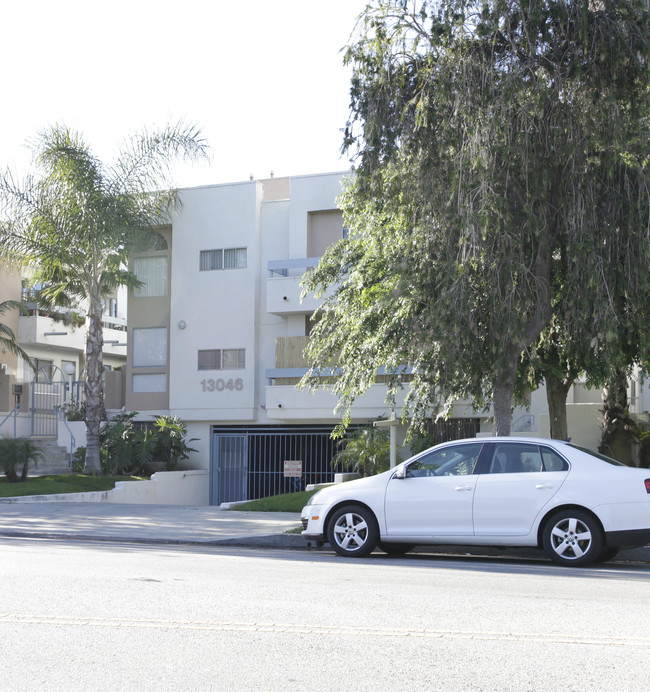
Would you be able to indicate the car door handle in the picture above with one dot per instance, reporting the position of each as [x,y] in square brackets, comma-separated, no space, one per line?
[544,486]
[463,488]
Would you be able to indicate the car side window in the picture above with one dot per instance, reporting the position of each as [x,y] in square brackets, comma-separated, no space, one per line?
[525,458]
[516,458]
[552,461]
[458,460]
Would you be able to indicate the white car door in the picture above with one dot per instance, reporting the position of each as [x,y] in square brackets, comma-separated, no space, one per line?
[522,479]
[435,496]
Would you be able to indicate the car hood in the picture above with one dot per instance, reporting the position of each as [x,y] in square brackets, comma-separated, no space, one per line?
[356,487]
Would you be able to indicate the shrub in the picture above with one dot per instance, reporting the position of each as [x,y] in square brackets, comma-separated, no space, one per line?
[127,450]
[170,446]
[73,410]
[120,446]
[79,459]
[16,452]
[366,451]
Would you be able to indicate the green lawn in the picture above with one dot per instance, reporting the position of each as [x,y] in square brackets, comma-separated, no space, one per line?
[66,483]
[291,502]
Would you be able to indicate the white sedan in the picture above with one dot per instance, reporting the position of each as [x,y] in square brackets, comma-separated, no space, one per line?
[580,507]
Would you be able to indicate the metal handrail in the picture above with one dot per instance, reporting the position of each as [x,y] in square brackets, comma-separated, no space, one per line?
[13,413]
[73,442]
[525,423]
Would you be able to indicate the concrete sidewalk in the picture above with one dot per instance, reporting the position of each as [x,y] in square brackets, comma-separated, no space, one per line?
[168,524]
[148,524]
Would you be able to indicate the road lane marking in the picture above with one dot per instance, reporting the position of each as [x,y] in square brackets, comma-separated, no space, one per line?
[295,628]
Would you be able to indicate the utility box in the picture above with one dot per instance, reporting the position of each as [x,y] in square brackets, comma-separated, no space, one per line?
[9,390]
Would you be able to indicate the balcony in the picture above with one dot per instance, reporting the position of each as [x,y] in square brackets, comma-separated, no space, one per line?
[283,287]
[39,330]
[285,401]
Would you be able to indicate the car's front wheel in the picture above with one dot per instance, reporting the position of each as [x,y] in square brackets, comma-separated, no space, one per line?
[572,538]
[352,531]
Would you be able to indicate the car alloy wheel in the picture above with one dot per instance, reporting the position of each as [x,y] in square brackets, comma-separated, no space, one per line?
[572,538]
[352,531]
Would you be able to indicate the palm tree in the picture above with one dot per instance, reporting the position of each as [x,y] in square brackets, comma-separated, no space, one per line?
[366,451]
[76,221]
[7,336]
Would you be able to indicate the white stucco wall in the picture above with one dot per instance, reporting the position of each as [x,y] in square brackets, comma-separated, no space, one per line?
[218,307]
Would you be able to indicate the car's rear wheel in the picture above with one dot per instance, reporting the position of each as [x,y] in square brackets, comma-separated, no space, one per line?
[396,548]
[572,538]
[352,531]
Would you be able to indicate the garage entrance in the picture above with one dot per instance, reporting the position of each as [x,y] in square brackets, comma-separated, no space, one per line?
[249,463]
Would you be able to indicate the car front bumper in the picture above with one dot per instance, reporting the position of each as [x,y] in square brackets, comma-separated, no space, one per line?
[313,522]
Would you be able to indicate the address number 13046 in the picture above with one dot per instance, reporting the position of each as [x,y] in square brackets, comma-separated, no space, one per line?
[219,385]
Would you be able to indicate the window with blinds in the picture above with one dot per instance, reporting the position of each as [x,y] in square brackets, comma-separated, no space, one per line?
[153,272]
[224,258]
[222,359]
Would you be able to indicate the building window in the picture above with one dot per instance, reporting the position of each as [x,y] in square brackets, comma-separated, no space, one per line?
[234,258]
[44,370]
[149,347]
[149,383]
[110,307]
[154,274]
[228,258]
[222,359]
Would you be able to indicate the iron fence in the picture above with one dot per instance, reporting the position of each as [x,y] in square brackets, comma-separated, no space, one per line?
[247,464]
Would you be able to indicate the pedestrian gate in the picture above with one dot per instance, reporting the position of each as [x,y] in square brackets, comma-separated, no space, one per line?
[47,395]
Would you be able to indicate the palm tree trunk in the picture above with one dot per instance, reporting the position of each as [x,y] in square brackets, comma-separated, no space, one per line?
[616,424]
[94,384]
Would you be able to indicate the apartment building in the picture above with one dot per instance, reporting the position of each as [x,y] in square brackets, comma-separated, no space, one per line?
[216,337]
[217,333]
[54,340]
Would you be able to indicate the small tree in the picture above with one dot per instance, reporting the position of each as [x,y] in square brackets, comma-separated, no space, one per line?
[76,222]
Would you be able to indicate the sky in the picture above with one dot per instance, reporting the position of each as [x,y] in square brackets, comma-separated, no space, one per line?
[263,79]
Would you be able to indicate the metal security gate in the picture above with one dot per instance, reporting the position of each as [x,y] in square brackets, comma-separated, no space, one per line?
[228,468]
[46,397]
[247,464]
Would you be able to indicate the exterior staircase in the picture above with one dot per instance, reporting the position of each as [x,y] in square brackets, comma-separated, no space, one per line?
[56,459]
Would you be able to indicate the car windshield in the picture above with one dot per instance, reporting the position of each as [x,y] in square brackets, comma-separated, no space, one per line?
[602,457]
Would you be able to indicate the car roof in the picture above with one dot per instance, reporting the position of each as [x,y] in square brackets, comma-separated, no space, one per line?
[503,438]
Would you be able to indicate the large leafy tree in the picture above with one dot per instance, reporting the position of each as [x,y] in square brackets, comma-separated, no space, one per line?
[496,143]
[76,218]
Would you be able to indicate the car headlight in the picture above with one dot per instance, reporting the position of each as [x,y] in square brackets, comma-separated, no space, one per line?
[312,499]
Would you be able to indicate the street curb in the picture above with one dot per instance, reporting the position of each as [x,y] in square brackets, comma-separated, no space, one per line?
[290,541]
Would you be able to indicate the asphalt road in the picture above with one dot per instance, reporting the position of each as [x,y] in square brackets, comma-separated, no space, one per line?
[108,616]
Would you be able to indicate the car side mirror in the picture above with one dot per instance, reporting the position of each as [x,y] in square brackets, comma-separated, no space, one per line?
[400,473]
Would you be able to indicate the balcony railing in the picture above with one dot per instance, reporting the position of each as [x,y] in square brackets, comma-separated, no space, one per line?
[283,267]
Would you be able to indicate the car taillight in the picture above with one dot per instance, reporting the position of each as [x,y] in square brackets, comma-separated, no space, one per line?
[647,485]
